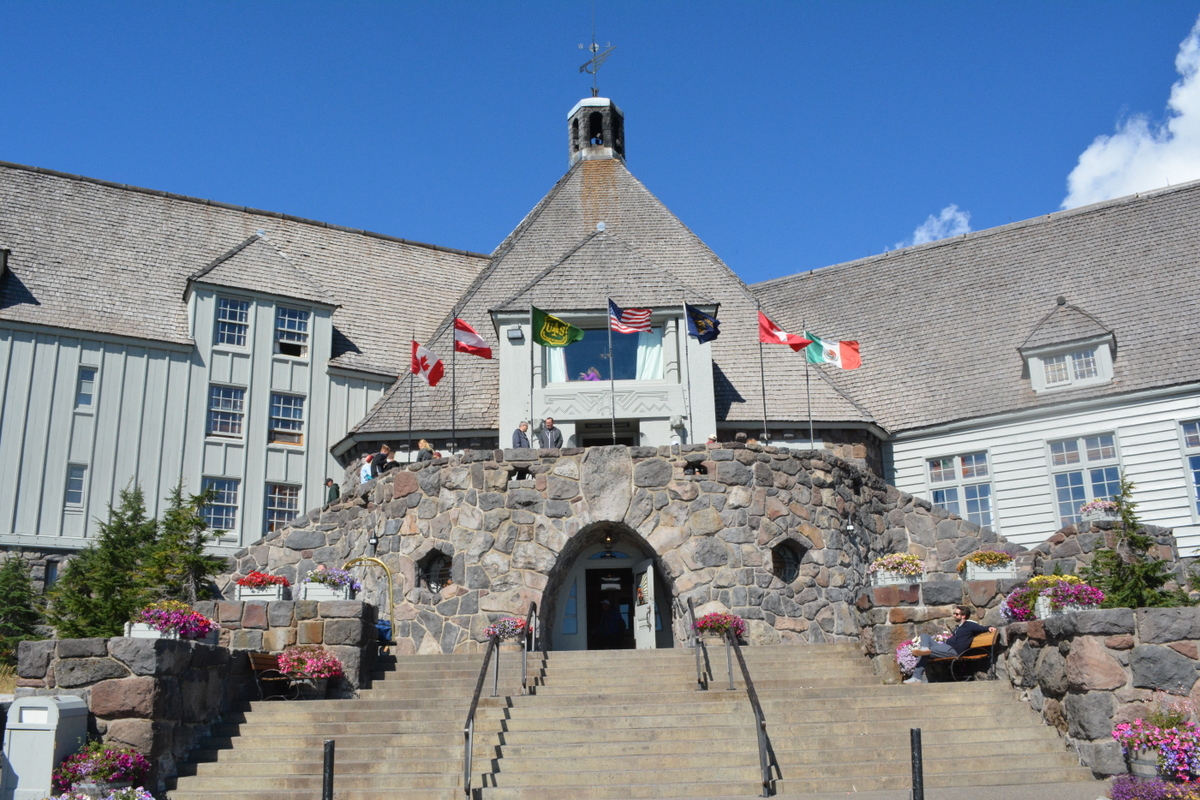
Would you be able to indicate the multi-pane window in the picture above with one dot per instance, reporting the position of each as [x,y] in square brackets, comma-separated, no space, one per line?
[962,485]
[1083,469]
[85,388]
[233,321]
[283,504]
[1191,446]
[221,511]
[1068,368]
[287,419]
[226,410]
[291,332]
[76,481]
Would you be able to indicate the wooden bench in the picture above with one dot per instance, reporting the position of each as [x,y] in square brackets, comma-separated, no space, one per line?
[983,646]
[265,667]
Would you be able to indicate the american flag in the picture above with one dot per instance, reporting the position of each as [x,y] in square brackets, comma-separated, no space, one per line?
[631,320]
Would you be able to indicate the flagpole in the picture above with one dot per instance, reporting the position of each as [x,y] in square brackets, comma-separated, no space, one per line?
[762,379]
[453,383]
[532,427]
[808,391]
[410,401]
[687,365]
[612,379]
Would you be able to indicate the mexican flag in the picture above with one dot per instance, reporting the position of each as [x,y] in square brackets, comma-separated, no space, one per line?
[840,354]
[550,331]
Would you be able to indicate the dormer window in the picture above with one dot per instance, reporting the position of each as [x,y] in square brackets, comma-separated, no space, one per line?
[1068,349]
[1055,368]
[291,332]
[1066,368]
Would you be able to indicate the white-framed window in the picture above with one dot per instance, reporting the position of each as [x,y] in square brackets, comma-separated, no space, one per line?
[226,410]
[1067,368]
[1056,367]
[221,511]
[962,485]
[1191,456]
[76,485]
[233,321]
[291,332]
[287,419]
[1083,469]
[283,504]
[85,388]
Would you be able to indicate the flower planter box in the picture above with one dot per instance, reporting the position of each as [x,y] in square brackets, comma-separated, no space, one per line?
[99,789]
[311,688]
[266,593]
[140,630]
[979,572]
[1042,609]
[885,577]
[1098,516]
[1143,763]
[319,591]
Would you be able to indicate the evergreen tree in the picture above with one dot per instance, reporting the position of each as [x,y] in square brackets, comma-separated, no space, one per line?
[19,614]
[177,567]
[1127,574]
[104,585]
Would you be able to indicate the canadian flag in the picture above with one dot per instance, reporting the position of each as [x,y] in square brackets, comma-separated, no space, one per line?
[426,364]
[770,333]
[466,340]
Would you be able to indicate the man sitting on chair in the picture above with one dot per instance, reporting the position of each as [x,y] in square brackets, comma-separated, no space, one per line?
[960,640]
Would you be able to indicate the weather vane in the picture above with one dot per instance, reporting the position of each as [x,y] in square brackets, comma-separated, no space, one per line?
[593,64]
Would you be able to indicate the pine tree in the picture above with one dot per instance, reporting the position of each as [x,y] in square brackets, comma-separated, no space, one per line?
[19,614]
[1127,574]
[104,585]
[177,566]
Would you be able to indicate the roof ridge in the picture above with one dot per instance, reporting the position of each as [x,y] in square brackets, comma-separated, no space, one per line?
[1056,310]
[555,265]
[221,259]
[244,209]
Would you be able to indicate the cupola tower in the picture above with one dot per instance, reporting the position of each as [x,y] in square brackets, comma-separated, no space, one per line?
[596,130]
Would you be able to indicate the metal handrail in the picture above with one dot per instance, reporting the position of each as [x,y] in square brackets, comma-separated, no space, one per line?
[701,684]
[530,643]
[766,753]
[375,562]
[469,726]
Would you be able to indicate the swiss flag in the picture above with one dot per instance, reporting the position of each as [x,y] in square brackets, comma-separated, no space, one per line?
[770,333]
[466,340]
[426,364]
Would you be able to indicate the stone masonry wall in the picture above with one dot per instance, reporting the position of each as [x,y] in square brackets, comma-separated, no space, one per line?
[1088,671]
[711,535]
[158,696]
[345,627]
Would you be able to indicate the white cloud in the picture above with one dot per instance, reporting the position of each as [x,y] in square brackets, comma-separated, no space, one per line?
[1144,154]
[949,222]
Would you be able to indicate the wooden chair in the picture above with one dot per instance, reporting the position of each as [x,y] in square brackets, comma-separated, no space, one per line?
[265,667]
[983,646]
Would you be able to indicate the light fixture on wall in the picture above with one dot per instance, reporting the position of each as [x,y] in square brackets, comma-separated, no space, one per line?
[848,527]
[608,547]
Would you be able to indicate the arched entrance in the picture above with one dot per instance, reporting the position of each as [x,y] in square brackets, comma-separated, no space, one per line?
[606,592]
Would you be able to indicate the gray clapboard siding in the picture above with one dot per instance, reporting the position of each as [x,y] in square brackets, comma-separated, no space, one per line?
[1148,448]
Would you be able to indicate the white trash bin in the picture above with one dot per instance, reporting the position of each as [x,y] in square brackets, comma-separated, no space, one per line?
[41,732]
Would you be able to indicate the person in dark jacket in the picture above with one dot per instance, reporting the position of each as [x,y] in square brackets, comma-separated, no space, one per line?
[424,451]
[960,640]
[521,435]
[551,437]
[332,492]
[381,461]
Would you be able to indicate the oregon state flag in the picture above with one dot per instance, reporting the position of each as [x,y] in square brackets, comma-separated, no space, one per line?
[550,331]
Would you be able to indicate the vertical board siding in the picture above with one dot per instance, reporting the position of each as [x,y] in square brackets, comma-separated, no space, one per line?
[1148,449]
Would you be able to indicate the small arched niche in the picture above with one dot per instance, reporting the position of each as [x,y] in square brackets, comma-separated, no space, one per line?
[786,558]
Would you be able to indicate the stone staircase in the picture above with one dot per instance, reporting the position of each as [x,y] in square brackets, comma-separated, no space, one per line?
[629,724]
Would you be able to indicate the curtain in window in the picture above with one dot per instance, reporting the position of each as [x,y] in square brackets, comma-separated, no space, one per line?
[650,355]
[556,364]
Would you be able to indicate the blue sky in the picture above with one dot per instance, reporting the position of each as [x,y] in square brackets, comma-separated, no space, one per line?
[787,135]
